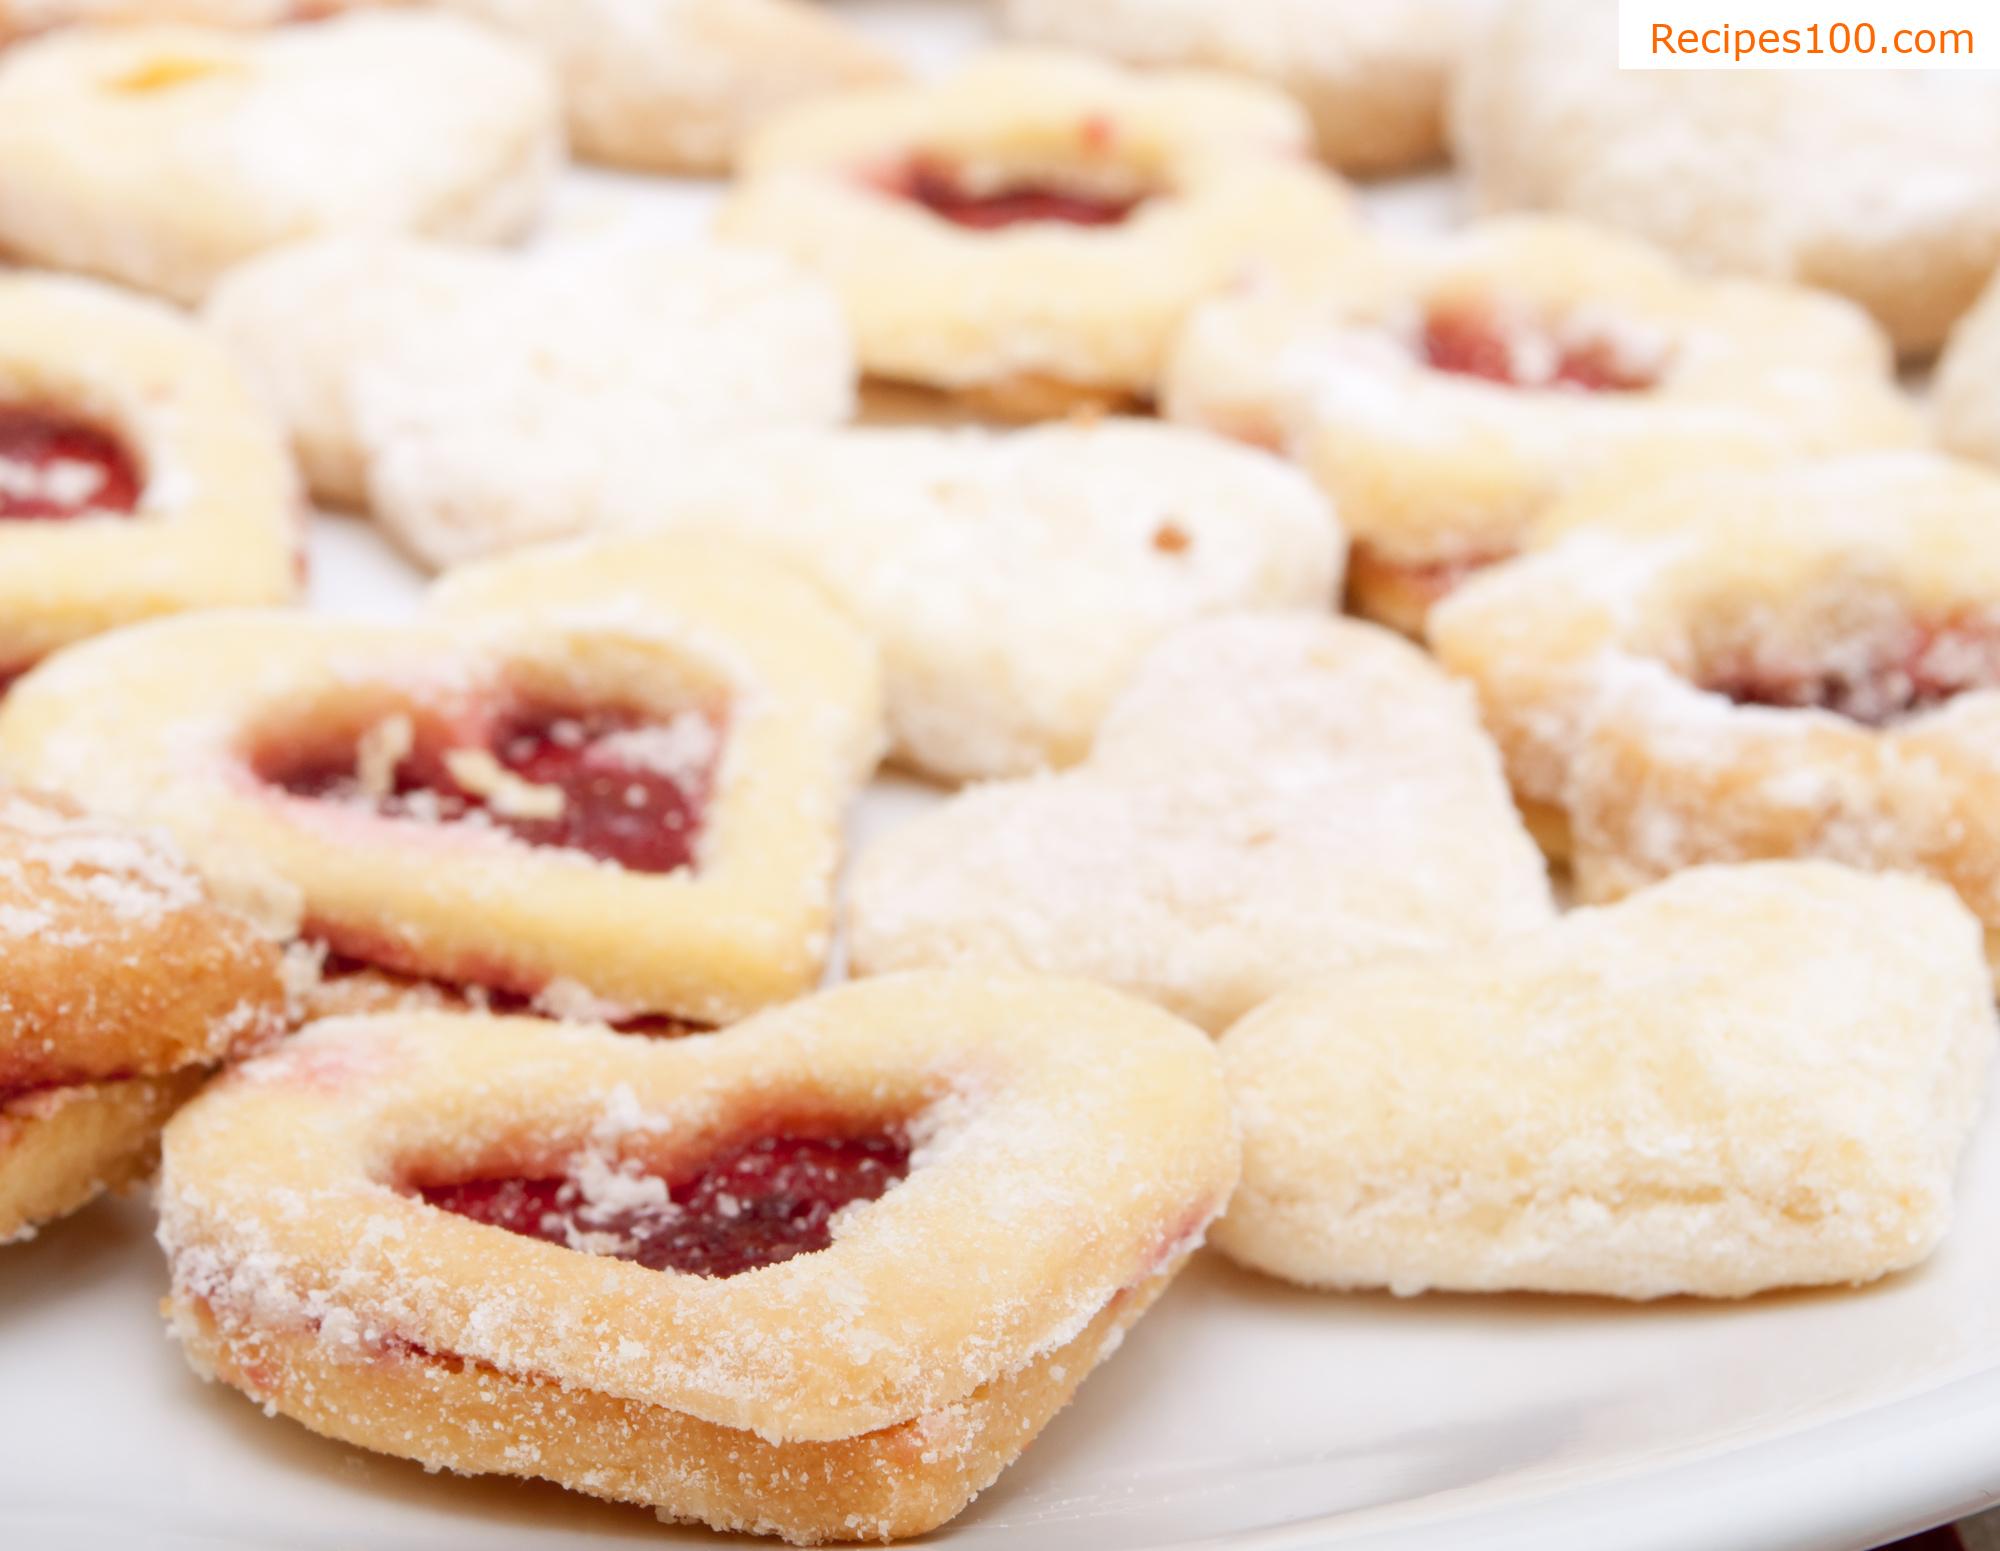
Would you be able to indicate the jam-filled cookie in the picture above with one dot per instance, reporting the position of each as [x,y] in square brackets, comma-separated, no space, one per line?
[677,85]
[1372,76]
[1445,394]
[609,784]
[122,985]
[1754,664]
[823,1276]
[1878,184]
[1029,232]
[1741,1079]
[1269,797]
[138,476]
[160,156]
[467,397]
[1012,580]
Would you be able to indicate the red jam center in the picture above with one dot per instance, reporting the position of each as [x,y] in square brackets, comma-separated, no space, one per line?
[1926,667]
[54,467]
[940,190]
[755,1204]
[606,783]
[1472,343]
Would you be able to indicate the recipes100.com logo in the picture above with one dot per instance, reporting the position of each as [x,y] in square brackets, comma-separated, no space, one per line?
[1805,34]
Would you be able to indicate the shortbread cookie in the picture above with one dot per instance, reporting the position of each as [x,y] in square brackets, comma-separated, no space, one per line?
[1372,76]
[612,789]
[1445,393]
[465,395]
[1271,797]
[1799,662]
[823,1277]
[1741,1079]
[677,85]
[1030,232]
[160,156]
[1880,184]
[121,986]
[137,474]
[1966,392]
[1012,580]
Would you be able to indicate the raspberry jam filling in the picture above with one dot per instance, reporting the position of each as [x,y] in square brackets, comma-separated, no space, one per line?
[608,783]
[1473,342]
[1876,682]
[755,1203]
[54,466]
[944,191]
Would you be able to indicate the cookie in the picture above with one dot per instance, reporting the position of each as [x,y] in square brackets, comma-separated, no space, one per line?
[611,790]
[1012,580]
[1027,234]
[160,156]
[1754,664]
[122,986]
[823,1277]
[1740,1079]
[1270,797]
[678,86]
[1372,76]
[1446,393]
[466,396]
[138,474]
[1878,184]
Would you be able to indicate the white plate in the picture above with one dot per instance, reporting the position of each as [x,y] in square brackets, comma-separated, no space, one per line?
[1241,1413]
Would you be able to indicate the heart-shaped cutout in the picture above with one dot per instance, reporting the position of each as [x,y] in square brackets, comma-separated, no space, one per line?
[138,476]
[941,1199]
[608,780]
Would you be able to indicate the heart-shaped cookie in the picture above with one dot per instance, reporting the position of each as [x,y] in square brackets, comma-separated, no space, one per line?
[1743,1078]
[1012,580]
[137,474]
[159,156]
[122,985]
[609,780]
[471,399]
[823,1276]
[1272,796]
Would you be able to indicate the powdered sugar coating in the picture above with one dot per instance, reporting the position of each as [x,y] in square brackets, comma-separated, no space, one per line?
[1077,1143]
[1740,1079]
[114,961]
[1372,76]
[677,85]
[159,156]
[173,723]
[1271,797]
[1011,580]
[465,397]
[1591,656]
[1041,310]
[121,984]
[1434,469]
[1879,184]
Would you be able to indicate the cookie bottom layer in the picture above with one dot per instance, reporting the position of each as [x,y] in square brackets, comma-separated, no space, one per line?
[445,1413]
[60,1148]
